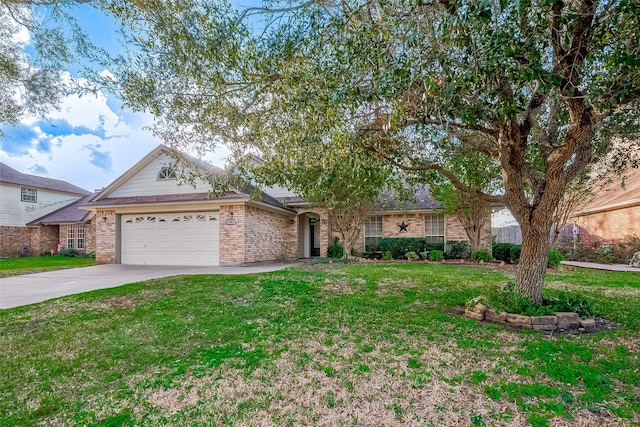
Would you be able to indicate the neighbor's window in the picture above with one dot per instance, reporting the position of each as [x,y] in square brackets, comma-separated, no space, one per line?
[372,233]
[434,226]
[71,236]
[166,173]
[80,236]
[29,195]
[75,236]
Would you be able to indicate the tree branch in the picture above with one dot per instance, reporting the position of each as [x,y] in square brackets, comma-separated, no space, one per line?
[426,166]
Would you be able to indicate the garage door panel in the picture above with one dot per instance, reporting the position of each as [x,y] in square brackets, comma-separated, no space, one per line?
[170,239]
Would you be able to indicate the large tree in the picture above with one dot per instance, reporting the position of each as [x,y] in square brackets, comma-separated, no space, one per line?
[539,86]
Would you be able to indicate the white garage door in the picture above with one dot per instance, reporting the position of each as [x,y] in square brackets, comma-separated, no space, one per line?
[170,239]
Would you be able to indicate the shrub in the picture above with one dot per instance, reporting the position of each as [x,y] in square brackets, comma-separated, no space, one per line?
[591,249]
[436,255]
[411,256]
[554,258]
[514,253]
[507,300]
[502,251]
[335,250]
[458,249]
[483,256]
[398,246]
[386,256]
[68,253]
[434,247]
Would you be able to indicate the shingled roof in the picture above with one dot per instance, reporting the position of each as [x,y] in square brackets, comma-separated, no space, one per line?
[70,214]
[616,195]
[11,176]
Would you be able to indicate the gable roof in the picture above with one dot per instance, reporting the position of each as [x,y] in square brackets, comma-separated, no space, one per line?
[615,196]
[11,176]
[103,199]
[70,214]
[422,201]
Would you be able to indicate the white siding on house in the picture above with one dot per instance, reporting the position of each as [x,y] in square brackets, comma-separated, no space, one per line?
[16,213]
[146,183]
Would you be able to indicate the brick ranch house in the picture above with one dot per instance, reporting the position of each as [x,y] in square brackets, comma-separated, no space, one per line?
[37,214]
[148,216]
[615,212]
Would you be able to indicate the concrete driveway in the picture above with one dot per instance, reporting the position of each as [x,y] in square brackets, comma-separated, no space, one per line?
[38,287]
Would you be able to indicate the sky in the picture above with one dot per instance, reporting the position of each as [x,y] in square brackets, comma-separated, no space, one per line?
[90,140]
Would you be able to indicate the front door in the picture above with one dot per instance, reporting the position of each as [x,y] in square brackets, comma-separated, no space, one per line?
[314,237]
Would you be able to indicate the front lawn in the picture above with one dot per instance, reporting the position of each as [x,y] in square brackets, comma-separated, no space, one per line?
[16,266]
[371,345]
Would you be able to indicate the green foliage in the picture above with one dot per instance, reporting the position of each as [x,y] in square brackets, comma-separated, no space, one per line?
[435,247]
[411,256]
[507,300]
[33,84]
[398,246]
[502,251]
[457,249]
[436,255]
[68,253]
[483,256]
[335,250]
[514,253]
[554,258]
[592,249]
[387,256]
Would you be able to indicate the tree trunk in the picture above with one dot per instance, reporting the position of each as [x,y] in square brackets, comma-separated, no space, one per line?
[533,263]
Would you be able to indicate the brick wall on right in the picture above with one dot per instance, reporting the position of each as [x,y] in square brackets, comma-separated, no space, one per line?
[612,225]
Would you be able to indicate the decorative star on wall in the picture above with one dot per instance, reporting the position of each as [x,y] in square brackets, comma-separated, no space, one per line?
[403,227]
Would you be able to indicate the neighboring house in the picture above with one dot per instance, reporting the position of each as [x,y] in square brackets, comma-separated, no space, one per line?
[615,212]
[149,216]
[25,198]
[76,226]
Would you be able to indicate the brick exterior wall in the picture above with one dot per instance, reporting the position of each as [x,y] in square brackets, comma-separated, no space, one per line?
[89,236]
[258,235]
[612,225]
[36,240]
[105,236]
[232,236]
[453,229]
[44,238]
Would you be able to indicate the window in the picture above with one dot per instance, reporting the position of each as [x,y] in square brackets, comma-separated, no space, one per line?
[434,226]
[71,236]
[166,173]
[80,236]
[372,233]
[29,195]
[75,236]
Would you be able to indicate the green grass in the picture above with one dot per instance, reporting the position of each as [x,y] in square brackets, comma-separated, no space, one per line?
[374,344]
[15,266]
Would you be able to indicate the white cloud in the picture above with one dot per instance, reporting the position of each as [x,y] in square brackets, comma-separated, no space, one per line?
[89,142]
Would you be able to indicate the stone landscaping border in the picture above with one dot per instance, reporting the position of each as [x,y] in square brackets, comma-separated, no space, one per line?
[560,322]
